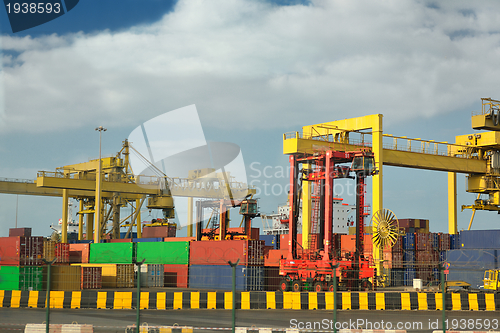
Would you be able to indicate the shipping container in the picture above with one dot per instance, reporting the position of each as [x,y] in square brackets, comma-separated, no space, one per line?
[21,278]
[397,260]
[480,239]
[49,249]
[159,231]
[79,253]
[473,276]
[443,256]
[91,278]
[409,241]
[179,239]
[24,232]
[154,239]
[176,276]
[130,235]
[397,277]
[114,275]
[250,252]
[455,242]
[426,259]
[248,278]
[152,275]
[254,233]
[173,253]
[473,259]
[272,278]
[21,251]
[112,253]
[65,278]
[398,246]
[409,259]
[426,275]
[271,240]
[62,253]
[444,242]
[409,275]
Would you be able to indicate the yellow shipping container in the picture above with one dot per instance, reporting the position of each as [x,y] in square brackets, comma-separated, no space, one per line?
[352,230]
[49,250]
[114,275]
[65,278]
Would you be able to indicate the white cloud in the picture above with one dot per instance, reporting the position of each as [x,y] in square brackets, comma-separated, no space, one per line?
[250,64]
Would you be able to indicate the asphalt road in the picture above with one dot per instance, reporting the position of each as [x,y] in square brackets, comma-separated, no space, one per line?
[108,321]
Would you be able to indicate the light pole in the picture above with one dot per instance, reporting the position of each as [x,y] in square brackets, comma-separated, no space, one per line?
[97,224]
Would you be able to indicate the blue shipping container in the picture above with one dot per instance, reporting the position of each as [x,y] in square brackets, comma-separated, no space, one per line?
[409,275]
[473,259]
[409,259]
[271,240]
[248,278]
[130,235]
[454,242]
[474,277]
[155,239]
[409,241]
[434,241]
[442,256]
[480,239]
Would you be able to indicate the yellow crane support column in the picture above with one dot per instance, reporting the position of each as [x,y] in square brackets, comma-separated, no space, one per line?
[452,202]
[306,210]
[64,227]
[138,205]
[377,180]
[190,217]
[89,228]
[80,221]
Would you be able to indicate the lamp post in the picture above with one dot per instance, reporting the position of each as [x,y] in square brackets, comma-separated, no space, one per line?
[97,224]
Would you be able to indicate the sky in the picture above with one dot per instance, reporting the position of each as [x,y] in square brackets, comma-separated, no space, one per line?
[255,69]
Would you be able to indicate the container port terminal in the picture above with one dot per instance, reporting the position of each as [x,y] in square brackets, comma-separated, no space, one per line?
[314,244]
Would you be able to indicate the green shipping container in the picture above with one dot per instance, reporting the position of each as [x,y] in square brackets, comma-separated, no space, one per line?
[111,253]
[21,278]
[173,253]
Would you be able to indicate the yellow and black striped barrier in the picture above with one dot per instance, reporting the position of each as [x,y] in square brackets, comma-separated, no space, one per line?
[90,299]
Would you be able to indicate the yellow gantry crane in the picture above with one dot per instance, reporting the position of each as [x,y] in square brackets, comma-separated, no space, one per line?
[477,155]
[120,187]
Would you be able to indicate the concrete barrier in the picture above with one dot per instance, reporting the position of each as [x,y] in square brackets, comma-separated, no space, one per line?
[59,328]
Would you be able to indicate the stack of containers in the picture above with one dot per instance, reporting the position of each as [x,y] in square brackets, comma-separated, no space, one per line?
[209,267]
[397,271]
[479,251]
[409,258]
[112,275]
[116,262]
[172,255]
[21,261]
[414,225]
[426,256]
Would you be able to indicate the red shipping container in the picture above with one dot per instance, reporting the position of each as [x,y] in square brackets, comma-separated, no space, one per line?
[397,260]
[79,253]
[121,240]
[348,243]
[21,251]
[159,231]
[250,252]
[273,257]
[176,276]
[284,241]
[398,246]
[91,278]
[62,253]
[24,232]
[179,239]
[423,242]
[444,242]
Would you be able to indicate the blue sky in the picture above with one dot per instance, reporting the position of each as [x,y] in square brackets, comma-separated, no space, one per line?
[255,70]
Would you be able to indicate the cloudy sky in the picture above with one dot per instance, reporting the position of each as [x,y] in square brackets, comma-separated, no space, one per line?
[255,69]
